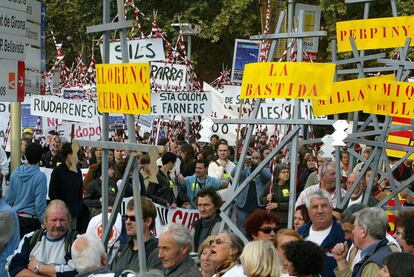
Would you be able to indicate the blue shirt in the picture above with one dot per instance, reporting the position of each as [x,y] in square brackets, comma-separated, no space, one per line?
[193,184]
[13,243]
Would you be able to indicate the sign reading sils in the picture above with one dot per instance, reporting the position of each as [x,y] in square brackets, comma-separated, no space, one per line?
[123,88]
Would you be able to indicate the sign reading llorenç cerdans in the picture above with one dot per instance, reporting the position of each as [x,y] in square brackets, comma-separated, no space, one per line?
[391,98]
[298,80]
[347,96]
[123,88]
[375,33]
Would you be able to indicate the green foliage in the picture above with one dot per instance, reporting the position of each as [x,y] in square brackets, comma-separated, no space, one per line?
[222,21]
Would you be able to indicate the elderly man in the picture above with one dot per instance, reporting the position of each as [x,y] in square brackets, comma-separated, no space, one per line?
[369,233]
[322,228]
[193,184]
[89,256]
[208,202]
[175,246]
[46,252]
[327,176]
[127,257]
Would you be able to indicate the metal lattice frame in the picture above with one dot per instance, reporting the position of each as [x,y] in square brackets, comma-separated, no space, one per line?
[359,131]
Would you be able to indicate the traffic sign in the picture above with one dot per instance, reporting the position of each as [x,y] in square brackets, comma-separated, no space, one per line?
[12,47]
[32,82]
[15,5]
[12,22]
[34,11]
[12,79]
[33,58]
[33,34]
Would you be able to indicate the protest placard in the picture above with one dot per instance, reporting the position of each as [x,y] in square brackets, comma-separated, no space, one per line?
[181,103]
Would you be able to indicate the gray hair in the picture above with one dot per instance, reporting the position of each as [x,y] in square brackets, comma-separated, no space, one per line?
[87,252]
[374,220]
[181,234]
[57,203]
[319,193]
[324,168]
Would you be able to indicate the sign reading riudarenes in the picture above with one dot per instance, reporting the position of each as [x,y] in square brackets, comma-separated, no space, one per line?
[55,107]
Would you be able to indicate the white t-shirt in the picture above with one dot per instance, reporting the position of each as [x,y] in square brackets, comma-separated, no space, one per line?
[318,236]
[95,228]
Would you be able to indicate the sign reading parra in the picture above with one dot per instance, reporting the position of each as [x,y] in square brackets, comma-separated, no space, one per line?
[375,33]
[123,88]
[298,80]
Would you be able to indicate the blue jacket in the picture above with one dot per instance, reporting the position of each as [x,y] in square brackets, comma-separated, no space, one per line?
[13,243]
[192,185]
[335,236]
[262,179]
[28,190]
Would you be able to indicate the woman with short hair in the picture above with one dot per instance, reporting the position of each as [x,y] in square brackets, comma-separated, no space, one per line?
[261,225]
[226,249]
[303,258]
[207,267]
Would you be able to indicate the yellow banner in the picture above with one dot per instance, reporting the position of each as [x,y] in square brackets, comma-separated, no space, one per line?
[347,96]
[375,33]
[123,88]
[391,98]
[299,80]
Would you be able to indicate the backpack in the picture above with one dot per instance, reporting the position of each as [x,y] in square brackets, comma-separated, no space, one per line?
[69,239]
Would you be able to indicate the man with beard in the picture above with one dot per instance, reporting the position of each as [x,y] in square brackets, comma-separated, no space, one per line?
[46,252]
[200,180]
[249,199]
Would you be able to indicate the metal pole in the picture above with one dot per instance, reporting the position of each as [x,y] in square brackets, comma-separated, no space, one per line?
[15,130]
[104,120]
[187,119]
[131,138]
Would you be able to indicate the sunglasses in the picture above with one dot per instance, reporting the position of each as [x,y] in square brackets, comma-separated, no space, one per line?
[130,217]
[268,230]
[218,242]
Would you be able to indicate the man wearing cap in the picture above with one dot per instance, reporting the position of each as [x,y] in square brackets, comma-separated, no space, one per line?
[10,235]
[28,190]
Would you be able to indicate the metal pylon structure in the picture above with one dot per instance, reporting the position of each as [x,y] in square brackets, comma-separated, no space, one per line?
[122,25]
[360,129]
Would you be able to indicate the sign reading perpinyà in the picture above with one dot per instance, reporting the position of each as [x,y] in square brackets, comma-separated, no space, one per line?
[61,108]
[123,88]
[181,103]
[377,33]
[298,80]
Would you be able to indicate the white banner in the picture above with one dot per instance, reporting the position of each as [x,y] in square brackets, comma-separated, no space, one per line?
[55,107]
[82,131]
[166,216]
[181,103]
[168,74]
[139,50]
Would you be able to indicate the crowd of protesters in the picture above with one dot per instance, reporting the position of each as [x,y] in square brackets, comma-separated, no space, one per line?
[323,241]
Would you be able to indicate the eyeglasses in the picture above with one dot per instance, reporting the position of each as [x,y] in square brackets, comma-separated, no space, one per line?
[130,217]
[268,230]
[218,241]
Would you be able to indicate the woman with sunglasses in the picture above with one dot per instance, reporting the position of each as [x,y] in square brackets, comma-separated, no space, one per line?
[276,196]
[226,249]
[261,225]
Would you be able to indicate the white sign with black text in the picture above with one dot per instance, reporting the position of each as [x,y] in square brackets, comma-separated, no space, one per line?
[12,22]
[55,107]
[139,50]
[181,103]
[168,74]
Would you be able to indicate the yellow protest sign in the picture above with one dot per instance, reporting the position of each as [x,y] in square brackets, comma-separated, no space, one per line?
[401,138]
[347,96]
[391,98]
[375,33]
[298,80]
[123,88]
